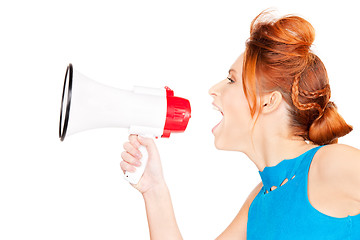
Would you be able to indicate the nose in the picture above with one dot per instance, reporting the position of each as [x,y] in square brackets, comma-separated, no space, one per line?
[214,91]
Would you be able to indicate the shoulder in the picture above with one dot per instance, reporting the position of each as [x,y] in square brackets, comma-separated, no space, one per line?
[338,165]
[335,158]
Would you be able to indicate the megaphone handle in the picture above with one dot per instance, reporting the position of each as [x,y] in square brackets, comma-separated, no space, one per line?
[134,177]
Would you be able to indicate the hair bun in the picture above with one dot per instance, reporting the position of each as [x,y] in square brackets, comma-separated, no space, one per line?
[329,126]
[298,29]
[290,33]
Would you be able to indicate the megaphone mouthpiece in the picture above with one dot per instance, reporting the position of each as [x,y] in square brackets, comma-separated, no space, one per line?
[177,115]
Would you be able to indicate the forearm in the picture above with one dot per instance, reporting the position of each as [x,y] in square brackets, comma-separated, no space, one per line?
[160,215]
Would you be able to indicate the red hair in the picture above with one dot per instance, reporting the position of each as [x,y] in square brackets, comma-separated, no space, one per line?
[278,58]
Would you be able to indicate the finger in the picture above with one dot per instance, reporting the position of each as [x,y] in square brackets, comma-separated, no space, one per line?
[127,167]
[148,143]
[132,150]
[127,157]
[134,141]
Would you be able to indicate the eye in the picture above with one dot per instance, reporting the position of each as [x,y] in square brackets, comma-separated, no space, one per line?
[231,81]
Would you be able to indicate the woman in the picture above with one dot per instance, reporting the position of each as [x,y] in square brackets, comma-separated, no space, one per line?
[276,109]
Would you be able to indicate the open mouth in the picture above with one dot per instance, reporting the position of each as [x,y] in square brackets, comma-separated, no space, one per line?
[217,108]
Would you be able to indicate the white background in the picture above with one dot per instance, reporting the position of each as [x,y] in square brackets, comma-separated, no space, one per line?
[74,189]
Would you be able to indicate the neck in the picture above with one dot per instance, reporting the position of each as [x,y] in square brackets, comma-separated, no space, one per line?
[273,141]
[269,151]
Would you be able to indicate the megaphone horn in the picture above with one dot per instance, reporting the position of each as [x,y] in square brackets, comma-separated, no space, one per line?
[87,104]
[66,99]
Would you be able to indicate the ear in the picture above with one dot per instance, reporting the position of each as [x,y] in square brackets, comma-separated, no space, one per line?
[271,101]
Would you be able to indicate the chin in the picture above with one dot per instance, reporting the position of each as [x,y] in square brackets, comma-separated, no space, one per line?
[221,145]
[228,145]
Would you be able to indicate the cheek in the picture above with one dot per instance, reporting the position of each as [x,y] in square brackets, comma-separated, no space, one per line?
[237,121]
[236,108]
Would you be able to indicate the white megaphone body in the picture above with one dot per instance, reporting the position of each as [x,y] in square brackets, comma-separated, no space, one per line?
[149,112]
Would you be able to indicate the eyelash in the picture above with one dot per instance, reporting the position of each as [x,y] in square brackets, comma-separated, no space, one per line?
[231,81]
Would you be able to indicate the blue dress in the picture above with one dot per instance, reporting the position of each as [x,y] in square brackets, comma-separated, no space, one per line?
[286,213]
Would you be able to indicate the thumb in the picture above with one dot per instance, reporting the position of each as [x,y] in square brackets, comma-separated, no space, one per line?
[148,143]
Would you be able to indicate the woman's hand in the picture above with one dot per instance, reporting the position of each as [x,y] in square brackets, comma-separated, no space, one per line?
[153,175]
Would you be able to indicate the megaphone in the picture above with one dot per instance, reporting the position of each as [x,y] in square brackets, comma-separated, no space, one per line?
[149,112]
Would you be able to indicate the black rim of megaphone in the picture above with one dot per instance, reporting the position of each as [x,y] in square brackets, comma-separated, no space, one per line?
[69,70]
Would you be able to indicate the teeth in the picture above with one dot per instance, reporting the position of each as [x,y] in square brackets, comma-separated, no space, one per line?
[216,108]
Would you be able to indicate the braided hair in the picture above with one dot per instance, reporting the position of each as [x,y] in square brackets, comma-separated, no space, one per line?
[278,58]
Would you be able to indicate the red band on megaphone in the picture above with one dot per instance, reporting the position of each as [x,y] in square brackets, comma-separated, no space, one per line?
[178,113]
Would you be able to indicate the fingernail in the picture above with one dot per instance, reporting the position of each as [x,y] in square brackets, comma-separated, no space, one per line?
[138,155]
[138,163]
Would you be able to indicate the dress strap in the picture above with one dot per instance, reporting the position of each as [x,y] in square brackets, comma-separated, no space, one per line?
[308,158]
